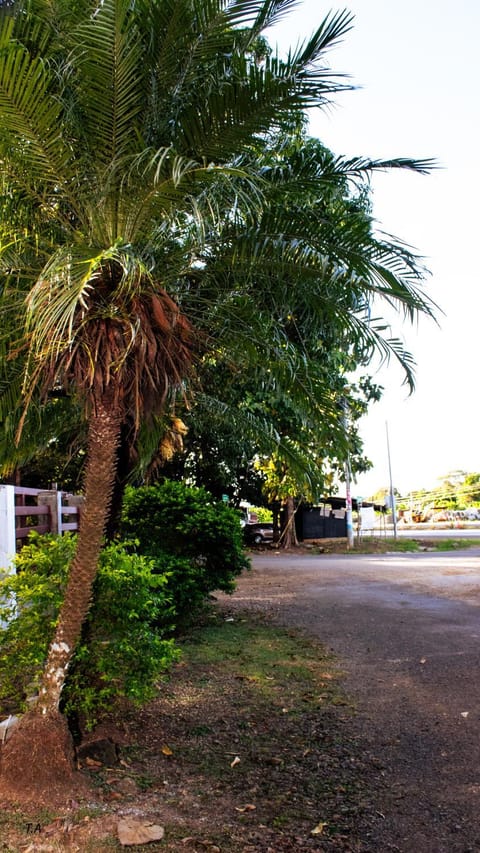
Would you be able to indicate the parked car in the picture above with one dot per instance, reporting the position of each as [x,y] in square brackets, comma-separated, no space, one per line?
[258,533]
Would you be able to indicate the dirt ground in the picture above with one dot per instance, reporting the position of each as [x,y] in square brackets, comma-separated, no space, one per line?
[226,760]
[407,630]
[384,757]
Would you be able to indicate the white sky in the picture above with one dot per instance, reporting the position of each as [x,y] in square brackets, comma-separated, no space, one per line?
[417,63]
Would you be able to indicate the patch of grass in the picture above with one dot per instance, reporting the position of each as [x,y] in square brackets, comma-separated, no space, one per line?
[383,545]
[9,818]
[274,664]
[261,680]
[200,731]
[456,544]
[403,545]
[93,845]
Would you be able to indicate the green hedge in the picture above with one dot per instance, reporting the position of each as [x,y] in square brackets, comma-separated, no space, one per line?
[193,539]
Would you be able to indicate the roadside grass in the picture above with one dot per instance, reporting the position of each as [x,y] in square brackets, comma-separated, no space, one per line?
[384,545]
[277,669]
[456,544]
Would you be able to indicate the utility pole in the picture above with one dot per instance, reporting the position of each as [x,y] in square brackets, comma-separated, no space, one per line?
[348,477]
[348,504]
[392,492]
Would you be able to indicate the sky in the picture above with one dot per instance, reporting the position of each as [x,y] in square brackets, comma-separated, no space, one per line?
[416,66]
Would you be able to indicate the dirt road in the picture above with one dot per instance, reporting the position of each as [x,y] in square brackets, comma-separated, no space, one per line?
[406,629]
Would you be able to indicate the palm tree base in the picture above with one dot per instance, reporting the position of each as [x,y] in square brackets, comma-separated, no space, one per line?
[37,762]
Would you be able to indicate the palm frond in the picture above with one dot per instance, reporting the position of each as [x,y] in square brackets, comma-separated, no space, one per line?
[110,80]
[330,32]
[256,17]
[364,167]
[53,303]
[30,117]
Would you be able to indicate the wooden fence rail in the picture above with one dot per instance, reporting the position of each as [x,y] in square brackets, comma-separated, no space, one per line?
[23,510]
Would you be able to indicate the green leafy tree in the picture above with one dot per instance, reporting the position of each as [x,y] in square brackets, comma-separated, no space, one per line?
[471,489]
[52,448]
[322,276]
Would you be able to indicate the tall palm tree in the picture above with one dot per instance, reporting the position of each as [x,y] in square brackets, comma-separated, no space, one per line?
[121,122]
[126,136]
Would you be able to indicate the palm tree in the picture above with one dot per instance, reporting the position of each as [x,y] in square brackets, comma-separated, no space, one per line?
[122,122]
[127,143]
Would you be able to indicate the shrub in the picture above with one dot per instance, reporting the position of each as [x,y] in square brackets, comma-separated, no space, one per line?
[121,653]
[29,604]
[192,538]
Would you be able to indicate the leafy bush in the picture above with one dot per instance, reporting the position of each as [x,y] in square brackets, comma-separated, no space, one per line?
[192,538]
[29,604]
[121,653]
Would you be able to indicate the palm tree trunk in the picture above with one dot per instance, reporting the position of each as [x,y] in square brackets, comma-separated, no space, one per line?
[38,760]
[104,437]
[124,467]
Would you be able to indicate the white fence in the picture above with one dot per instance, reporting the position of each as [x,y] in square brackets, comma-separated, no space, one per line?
[23,510]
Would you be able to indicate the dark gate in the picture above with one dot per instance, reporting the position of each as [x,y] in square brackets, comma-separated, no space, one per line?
[316,523]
